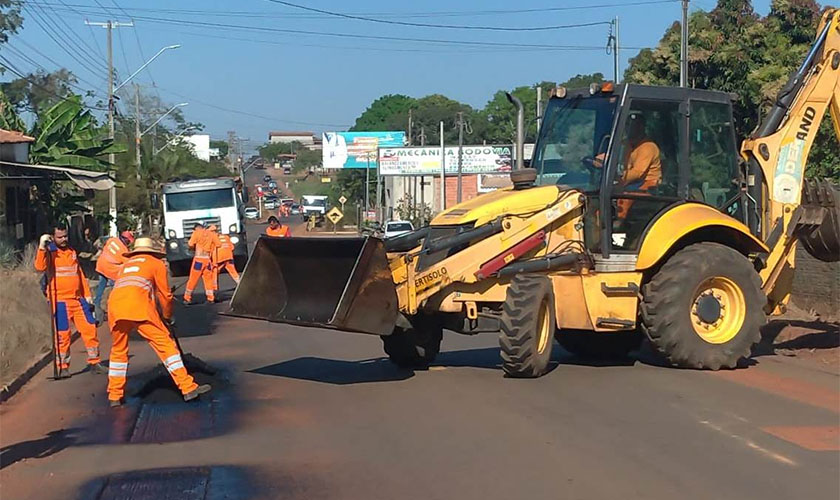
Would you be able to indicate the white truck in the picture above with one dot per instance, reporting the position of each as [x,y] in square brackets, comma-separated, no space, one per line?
[208,201]
[314,205]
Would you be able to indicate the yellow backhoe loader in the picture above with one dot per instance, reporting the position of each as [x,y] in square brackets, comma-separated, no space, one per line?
[638,218]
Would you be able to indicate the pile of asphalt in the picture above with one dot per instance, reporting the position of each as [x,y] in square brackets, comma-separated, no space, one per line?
[158,387]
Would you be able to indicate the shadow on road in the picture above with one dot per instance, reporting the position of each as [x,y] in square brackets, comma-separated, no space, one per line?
[795,334]
[50,444]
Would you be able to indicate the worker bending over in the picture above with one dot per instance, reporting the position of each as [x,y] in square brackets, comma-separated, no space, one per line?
[223,258]
[69,296]
[276,229]
[108,264]
[141,287]
[204,244]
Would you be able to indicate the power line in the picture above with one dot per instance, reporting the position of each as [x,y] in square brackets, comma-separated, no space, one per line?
[21,74]
[266,29]
[430,25]
[246,113]
[35,63]
[401,15]
[63,44]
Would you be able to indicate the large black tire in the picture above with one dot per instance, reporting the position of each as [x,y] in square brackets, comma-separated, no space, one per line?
[528,323]
[599,345]
[680,302]
[415,347]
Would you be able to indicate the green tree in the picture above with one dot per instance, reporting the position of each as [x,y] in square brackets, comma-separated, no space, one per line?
[270,151]
[9,119]
[306,158]
[39,91]
[389,112]
[222,146]
[10,19]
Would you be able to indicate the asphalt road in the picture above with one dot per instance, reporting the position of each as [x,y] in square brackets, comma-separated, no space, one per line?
[303,413]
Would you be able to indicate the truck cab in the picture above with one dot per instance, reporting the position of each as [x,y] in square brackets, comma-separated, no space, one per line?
[210,202]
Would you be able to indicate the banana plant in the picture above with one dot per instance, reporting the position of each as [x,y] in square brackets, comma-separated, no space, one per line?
[67,135]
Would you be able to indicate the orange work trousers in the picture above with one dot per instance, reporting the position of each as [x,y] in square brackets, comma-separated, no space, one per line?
[201,268]
[229,267]
[80,312]
[163,345]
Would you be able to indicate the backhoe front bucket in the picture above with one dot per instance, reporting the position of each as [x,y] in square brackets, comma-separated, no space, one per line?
[341,283]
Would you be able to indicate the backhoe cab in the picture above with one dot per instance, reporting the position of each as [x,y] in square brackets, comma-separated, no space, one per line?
[638,219]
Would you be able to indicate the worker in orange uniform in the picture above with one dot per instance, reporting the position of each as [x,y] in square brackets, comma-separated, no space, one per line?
[69,296]
[141,287]
[276,229]
[223,258]
[108,264]
[204,244]
[642,166]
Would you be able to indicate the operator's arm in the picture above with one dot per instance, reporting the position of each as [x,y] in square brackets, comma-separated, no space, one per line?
[193,239]
[162,291]
[41,260]
[639,163]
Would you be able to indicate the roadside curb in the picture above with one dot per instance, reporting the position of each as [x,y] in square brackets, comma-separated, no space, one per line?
[17,384]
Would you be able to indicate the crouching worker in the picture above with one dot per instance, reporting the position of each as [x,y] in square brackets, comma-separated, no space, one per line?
[141,287]
[69,294]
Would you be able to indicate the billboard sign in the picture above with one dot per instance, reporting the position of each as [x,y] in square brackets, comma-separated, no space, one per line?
[356,149]
[426,160]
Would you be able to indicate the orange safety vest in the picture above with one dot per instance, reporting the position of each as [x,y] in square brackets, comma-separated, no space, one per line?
[225,251]
[111,259]
[141,280]
[205,242]
[282,231]
[68,281]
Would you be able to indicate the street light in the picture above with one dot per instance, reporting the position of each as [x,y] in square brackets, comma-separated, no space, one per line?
[173,108]
[172,140]
[161,51]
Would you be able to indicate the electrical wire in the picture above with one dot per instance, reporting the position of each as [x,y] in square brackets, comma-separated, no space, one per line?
[63,44]
[253,115]
[430,25]
[20,74]
[22,55]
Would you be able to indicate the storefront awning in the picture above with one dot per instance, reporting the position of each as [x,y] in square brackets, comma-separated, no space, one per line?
[85,179]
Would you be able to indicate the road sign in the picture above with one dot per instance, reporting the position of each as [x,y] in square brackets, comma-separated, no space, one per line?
[342,200]
[335,215]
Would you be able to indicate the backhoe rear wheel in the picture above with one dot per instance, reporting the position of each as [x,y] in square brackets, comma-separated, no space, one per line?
[704,307]
[528,324]
[415,347]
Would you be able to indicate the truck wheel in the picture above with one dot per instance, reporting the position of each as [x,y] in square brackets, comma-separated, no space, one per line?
[704,307]
[599,345]
[415,347]
[527,327]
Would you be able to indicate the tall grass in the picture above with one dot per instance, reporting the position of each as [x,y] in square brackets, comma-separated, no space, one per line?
[25,330]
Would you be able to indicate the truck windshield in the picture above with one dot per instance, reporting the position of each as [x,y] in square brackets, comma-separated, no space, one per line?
[199,200]
[573,140]
[315,203]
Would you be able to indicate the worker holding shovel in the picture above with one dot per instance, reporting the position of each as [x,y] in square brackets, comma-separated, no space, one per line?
[141,287]
[69,295]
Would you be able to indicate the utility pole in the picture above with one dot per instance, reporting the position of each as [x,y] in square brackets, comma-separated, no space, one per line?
[684,46]
[422,182]
[539,109]
[137,128]
[442,170]
[232,149]
[412,189]
[460,153]
[112,193]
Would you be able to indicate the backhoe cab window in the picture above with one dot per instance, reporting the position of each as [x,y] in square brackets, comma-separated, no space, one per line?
[713,154]
[575,131]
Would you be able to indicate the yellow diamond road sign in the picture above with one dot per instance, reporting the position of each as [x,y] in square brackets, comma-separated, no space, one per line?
[335,215]
[342,200]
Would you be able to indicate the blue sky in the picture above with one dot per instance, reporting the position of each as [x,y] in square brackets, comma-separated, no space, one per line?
[294,81]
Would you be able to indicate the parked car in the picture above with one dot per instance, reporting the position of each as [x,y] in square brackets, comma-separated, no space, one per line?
[270,202]
[251,213]
[395,228]
[297,208]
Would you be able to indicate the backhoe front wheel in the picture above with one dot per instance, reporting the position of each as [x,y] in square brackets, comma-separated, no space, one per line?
[704,307]
[415,347]
[528,324]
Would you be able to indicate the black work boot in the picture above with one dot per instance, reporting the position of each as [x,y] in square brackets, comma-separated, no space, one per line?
[97,369]
[193,394]
[116,403]
[63,373]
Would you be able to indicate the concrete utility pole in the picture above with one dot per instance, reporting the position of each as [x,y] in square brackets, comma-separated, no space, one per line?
[616,54]
[232,150]
[539,109]
[442,170]
[684,46]
[460,153]
[422,182]
[112,193]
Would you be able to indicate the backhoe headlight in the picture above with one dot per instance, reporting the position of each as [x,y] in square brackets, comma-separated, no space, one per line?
[171,234]
[173,245]
[232,229]
[234,239]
